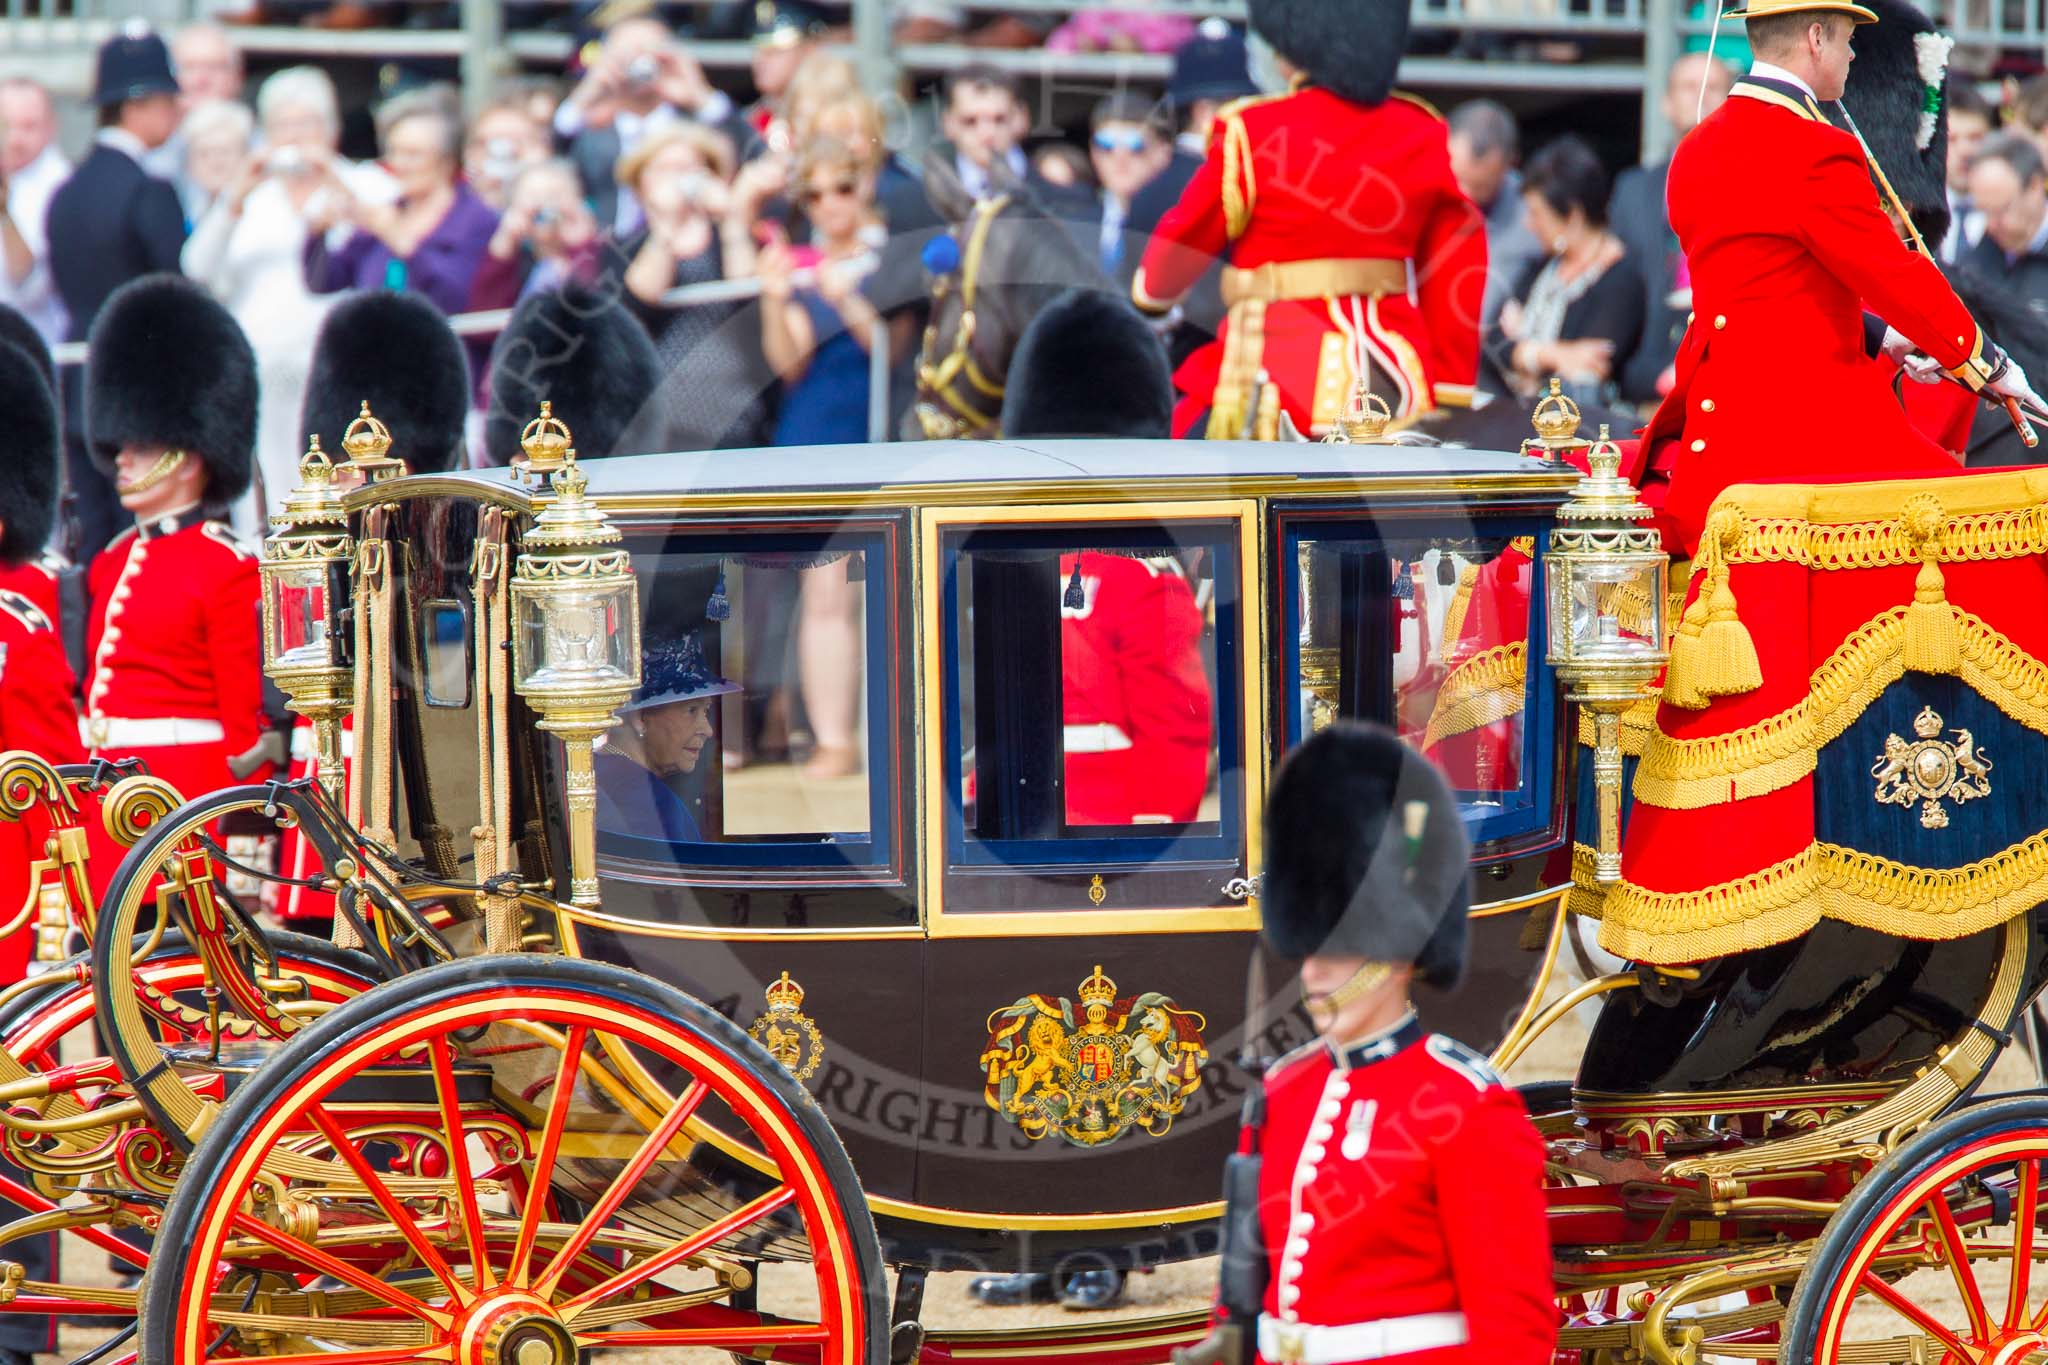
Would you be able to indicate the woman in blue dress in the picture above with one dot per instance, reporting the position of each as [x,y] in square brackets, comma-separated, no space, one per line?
[660,740]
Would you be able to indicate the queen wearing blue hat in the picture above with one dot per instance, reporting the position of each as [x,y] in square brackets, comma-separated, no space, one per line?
[661,739]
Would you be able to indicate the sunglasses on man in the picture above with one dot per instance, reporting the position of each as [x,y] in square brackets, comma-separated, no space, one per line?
[1129,140]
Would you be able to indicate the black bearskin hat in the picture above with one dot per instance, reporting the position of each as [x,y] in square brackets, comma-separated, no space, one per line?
[166,364]
[1348,47]
[582,351]
[1089,366]
[17,331]
[398,353]
[1366,855]
[28,477]
[1888,97]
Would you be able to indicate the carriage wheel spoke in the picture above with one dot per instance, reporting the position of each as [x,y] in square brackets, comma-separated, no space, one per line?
[712,1338]
[615,1194]
[2027,1208]
[407,1226]
[1958,1257]
[458,1162]
[1916,1315]
[386,1355]
[745,1216]
[544,1159]
[353,1276]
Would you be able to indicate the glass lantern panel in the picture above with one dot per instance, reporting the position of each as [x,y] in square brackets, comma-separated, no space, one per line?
[301,615]
[1613,606]
[574,638]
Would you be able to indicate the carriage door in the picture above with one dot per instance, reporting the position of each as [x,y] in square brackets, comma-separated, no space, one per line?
[1091,806]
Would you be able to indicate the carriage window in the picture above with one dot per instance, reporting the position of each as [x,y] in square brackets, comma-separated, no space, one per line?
[1090,668]
[752,738]
[1429,635]
[444,649]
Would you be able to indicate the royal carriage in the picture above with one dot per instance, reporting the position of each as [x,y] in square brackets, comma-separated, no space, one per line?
[645,1028]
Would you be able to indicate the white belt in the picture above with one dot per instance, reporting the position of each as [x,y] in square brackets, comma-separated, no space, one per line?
[1301,1343]
[114,732]
[1099,738]
[302,743]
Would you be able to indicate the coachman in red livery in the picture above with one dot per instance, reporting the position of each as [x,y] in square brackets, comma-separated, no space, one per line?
[1349,241]
[176,663]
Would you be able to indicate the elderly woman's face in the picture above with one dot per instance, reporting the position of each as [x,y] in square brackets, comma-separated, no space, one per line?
[299,125]
[417,157]
[211,161]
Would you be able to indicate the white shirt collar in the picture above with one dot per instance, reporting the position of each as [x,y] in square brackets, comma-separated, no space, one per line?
[975,180]
[124,142]
[1768,72]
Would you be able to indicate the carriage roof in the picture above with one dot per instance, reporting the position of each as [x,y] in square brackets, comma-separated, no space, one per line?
[1008,470]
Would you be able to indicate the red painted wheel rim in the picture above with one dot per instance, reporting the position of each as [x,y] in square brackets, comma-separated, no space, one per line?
[531,1290]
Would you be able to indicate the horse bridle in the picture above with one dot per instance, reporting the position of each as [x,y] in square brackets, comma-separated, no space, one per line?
[960,417]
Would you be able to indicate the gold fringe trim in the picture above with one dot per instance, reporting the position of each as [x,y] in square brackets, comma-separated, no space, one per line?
[1486,688]
[1688,774]
[1586,895]
[2015,534]
[1824,881]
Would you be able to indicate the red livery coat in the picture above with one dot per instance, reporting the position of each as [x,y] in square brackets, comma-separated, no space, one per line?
[39,713]
[174,634]
[1134,698]
[1314,177]
[37,581]
[1401,1177]
[1780,225]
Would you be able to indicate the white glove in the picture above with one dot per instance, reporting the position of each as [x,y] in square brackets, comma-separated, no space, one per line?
[1897,347]
[2013,384]
[1900,350]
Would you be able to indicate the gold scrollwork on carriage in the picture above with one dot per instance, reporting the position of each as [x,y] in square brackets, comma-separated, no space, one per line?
[1092,1072]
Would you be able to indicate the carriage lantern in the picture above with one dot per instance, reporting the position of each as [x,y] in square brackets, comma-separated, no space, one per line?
[1556,420]
[1605,574]
[305,587]
[575,643]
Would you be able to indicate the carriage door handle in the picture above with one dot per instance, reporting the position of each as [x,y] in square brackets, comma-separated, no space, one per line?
[1243,888]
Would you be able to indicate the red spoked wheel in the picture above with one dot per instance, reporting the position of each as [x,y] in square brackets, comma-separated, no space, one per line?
[499,1162]
[1935,1258]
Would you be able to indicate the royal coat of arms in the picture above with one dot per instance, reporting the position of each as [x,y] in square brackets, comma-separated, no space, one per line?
[1094,1072]
[1930,770]
[787,1032]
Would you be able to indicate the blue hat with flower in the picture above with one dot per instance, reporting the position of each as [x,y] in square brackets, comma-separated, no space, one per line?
[676,670]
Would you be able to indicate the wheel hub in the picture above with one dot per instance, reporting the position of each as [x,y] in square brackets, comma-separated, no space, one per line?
[513,1328]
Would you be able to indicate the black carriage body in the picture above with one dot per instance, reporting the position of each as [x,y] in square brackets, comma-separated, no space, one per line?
[953,895]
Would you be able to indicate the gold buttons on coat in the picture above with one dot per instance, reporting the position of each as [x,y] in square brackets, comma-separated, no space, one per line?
[1706,405]
[1698,446]
[1720,321]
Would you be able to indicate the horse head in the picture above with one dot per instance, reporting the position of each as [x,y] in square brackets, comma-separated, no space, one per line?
[1003,258]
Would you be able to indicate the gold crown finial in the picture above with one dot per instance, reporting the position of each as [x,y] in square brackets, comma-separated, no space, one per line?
[1927,724]
[546,441]
[316,500]
[1556,417]
[1365,420]
[785,994]
[367,438]
[1098,989]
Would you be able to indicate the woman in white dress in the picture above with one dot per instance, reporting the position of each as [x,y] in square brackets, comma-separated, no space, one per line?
[249,249]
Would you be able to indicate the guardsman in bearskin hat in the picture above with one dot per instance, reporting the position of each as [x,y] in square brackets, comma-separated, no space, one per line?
[37,576]
[1400,1184]
[580,350]
[38,710]
[1798,279]
[1349,241]
[396,353]
[176,662]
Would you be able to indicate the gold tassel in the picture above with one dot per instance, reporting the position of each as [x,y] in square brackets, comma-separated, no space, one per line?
[1933,641]
[1683,674]
[1712,654]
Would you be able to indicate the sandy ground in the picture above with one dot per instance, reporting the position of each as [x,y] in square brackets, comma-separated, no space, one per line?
[1174,1288]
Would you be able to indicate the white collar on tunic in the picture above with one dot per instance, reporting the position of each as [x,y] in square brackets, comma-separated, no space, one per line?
[1767,71]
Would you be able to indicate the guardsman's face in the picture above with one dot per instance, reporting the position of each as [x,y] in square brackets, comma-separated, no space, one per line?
[151,483]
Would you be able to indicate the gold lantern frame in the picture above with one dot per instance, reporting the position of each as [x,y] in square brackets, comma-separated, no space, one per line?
[310,543]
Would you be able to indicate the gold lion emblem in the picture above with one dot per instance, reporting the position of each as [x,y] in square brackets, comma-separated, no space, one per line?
[787,1032]
[1929,770]
[1093,1073]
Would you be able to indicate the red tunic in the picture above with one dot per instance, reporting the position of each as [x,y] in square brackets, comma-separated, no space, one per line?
[1135,701]
[1780,225]
[37,581]
[1405,1180]
[176,649]
[1313,177]
[38,713]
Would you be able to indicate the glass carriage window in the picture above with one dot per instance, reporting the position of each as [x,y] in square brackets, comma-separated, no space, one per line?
[1090,670]
[444,649]
[759,734]
[1427,633]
